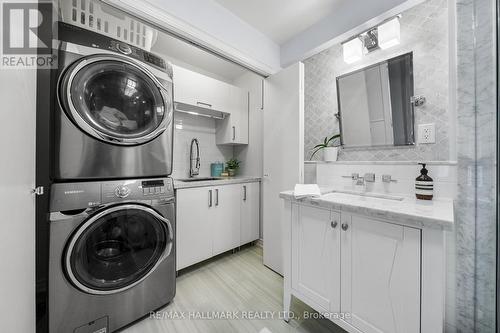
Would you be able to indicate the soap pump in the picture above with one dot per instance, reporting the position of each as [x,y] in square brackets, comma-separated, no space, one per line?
[424,185]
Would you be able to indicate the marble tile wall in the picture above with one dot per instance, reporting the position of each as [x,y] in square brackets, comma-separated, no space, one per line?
[475,234]
[188,127]
[424,30]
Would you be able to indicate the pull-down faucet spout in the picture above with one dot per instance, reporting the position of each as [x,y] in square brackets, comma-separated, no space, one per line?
[194,160]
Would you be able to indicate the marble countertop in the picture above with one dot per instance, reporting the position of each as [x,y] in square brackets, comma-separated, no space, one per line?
[179,184]
[436,214]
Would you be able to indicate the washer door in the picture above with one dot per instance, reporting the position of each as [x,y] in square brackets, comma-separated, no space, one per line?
[116,100]
[117,248]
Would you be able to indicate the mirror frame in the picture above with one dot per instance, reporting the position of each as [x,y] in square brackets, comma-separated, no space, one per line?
[338,115]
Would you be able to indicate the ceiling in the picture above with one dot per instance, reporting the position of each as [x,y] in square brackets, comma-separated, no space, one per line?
[280,20]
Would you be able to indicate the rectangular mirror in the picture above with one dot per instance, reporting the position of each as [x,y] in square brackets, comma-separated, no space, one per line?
[375,104]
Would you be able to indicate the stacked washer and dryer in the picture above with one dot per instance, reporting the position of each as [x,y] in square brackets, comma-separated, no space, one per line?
[112,206]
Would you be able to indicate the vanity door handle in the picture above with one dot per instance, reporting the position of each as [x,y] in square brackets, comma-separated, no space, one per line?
[209,198]
[244,193]
[234,133]
[216,197]
[345,226]
[334,224]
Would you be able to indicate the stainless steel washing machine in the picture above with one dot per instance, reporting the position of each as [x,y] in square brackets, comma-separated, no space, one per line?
[112,253]
[113,110]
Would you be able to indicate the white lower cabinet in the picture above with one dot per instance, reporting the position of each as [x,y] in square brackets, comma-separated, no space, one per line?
[250,212]
[215,219]
[380,284]
[316,256]
[363,272]
[226,225]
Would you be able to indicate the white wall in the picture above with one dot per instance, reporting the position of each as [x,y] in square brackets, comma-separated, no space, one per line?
[17,178]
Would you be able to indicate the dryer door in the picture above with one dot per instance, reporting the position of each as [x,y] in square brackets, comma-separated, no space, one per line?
[116,100]
[117,248]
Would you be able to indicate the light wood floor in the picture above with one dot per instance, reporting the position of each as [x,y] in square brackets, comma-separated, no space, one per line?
[231,282]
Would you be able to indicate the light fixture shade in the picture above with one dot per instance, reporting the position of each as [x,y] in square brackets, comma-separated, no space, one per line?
[389,33]
[353,50]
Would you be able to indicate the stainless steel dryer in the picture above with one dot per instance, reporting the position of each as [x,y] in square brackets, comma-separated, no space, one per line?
[113,110]
[112,253]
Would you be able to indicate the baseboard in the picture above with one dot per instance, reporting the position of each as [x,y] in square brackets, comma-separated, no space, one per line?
[260,243]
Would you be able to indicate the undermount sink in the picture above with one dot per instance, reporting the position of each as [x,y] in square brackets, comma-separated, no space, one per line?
[201,179]
[350,194]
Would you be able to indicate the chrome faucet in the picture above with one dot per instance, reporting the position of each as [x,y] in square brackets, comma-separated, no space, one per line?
[194,161]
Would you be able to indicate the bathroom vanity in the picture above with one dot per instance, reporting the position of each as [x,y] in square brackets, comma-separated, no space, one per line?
[369,264]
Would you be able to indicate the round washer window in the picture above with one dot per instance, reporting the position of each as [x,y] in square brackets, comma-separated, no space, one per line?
[117,99]
[117,249]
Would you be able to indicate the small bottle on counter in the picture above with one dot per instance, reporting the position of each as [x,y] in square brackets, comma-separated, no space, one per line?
[424,185]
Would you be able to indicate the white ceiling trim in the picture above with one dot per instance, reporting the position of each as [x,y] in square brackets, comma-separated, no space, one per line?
[162,19]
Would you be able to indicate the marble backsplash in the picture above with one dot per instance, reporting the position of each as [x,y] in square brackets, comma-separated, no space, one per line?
[424,31]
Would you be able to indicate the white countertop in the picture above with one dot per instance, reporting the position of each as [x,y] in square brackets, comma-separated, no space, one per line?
[437,213]
[179,184]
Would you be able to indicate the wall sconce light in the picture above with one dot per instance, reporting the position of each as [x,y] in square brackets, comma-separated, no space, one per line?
[353,50]
[389,33]
[384,36]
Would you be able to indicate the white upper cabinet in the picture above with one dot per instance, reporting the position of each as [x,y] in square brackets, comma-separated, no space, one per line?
[234,128]
[199,90]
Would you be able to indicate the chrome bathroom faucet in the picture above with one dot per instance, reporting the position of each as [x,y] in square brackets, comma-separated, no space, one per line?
[194,161]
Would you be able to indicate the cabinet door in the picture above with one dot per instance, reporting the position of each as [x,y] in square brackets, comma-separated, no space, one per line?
[234,128]
[200,90]
[196,214]
[380,275]
[316,256]
[226,226]
[250,212]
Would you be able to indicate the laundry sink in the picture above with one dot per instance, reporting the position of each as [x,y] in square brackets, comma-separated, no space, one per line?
[200,179]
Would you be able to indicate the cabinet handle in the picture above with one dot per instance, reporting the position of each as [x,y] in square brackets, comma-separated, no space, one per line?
[244,193]
[334,224]
[262,96]
[234,133]
[345,226]
[209,198]
[205,104]
[216,197]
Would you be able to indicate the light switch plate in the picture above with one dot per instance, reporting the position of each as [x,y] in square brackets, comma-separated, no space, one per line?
[427,133]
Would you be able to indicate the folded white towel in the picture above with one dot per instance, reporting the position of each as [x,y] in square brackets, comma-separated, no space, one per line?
[306,190]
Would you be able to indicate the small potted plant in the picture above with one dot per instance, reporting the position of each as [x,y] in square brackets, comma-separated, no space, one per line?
[232,167]
[330,146]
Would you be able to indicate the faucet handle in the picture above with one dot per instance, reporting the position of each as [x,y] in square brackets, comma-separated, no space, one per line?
[388,179]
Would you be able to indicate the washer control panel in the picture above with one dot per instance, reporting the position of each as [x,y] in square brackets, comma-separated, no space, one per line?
[138,189]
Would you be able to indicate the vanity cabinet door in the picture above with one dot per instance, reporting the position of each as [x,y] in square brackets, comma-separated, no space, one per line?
[226,226]
[195,216]
[316,256]
[380,275]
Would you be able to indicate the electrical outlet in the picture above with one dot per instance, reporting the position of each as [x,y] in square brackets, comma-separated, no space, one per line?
[427,133]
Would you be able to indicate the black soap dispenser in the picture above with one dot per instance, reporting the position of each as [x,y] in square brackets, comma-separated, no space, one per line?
[424,185]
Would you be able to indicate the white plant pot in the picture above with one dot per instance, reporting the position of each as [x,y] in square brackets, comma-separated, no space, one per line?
[330,154]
